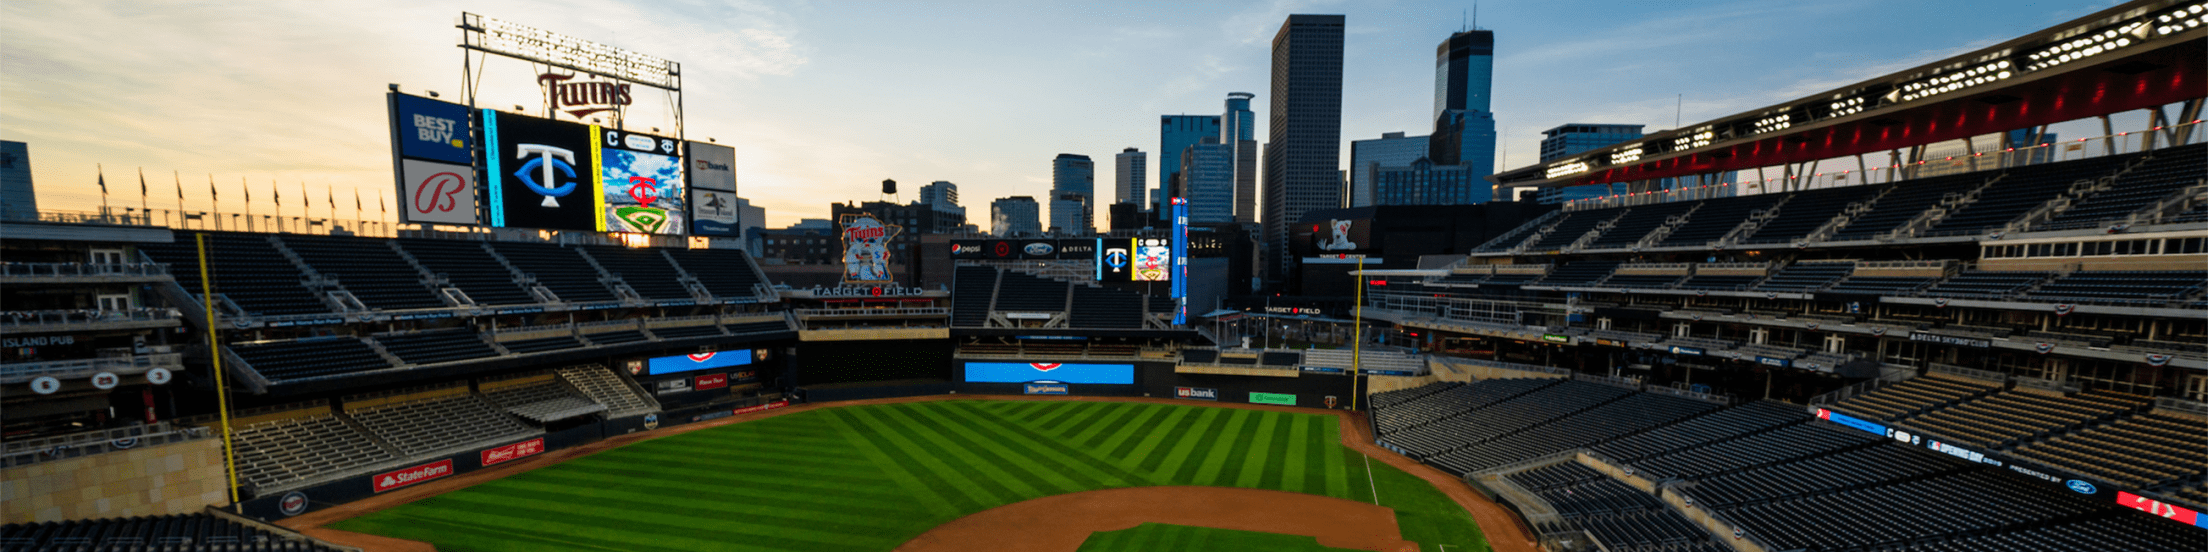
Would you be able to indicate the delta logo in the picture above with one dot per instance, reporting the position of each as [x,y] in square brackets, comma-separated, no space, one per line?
[409,476]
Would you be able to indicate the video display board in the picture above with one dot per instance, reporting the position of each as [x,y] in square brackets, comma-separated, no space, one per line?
[433,150]
[1332,237]
[698,361]
[540,173]
[1153,260]
[641,182]
[1049,372]
[1080,249]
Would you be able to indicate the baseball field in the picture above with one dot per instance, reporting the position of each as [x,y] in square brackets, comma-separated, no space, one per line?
[872,477]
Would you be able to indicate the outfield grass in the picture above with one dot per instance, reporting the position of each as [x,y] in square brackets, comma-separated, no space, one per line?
[1159,537]
[872,477]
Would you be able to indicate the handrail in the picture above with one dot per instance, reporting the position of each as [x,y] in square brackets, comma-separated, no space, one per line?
[15,269]
[21,452]
[19,372]
[43,317]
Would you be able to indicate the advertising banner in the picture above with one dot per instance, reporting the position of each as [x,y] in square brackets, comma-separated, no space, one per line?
[513,452]
[709,381]
[672,386]
[714,213]
[1197,393]
[866,249]
[540,173]
[1044,388]
[1049,372]
[433,192]
[409,476]
[697,361]
[1272,398]
[1970,342]
[712,167]
[432,130]
[1153,259]
[1843,419]
[2162,509]
[641,178]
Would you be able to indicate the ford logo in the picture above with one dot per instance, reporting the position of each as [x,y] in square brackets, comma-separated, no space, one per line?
[2081,487]
[1038,249]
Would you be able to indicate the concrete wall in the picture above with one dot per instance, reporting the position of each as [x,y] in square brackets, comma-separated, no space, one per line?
[176,478]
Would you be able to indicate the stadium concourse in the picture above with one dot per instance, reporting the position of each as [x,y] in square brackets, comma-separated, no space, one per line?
[1982,338]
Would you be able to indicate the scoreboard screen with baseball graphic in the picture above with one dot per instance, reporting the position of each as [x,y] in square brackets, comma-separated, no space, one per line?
[1049,372]
[697,361]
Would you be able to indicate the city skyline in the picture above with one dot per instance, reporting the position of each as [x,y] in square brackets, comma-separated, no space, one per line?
[290,94]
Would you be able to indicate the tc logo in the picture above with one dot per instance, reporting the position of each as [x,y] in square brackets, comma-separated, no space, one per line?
[548,159]
[440,193]
[436,129]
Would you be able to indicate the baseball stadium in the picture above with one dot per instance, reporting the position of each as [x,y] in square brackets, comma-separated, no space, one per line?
[1898,315]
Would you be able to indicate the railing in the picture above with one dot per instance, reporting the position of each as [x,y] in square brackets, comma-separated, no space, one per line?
[1713,191]
[21,452]
[2181,405]
[927,311]
[1685,394]
[1939,264]
[51,317]
[63,270]
[1950,369]
[20,372]
[218,221]
[1460,361]
[2047,384]
[1614,381]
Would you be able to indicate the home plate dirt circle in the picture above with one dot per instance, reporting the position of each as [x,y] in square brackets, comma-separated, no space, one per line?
[1060,523]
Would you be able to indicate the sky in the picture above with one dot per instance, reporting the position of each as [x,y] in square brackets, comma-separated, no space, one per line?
[823,100]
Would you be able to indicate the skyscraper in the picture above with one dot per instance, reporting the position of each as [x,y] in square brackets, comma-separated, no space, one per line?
[1207,180]
[1303,156]
[1015,216]
[942,196]
[1366,157]
[1176,133]
[1464,128]
[1238,130]
[1127,175]
[1566,140]
[1072,193]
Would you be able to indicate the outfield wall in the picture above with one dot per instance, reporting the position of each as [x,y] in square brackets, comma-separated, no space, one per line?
[175,478]
[274,506]
[1132,378]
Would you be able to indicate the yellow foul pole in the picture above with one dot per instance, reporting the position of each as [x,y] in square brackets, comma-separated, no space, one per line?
[222,388]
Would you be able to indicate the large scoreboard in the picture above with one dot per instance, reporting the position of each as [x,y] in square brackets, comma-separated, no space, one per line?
[542,173]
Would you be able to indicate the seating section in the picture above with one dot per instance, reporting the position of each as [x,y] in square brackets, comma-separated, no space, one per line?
[542,344]
[2021,191]
[1571,228]
[1719,282]
[432,347]
[1914,395]
[1986,285]
[1779,445]
[2138,451]
[1881,285]
[1906,512]
[1390,399]
[368,268]
[546,401]
[446,423]
[246,268]
[170,533]
[1907,200]
[1098,307]
[1998,419]
[1450,402]
[1806,276]
[1808,211]
[687,332]
[1821,474]
[603,387]
[1578,274]
[2169,171]
[1435,441]
[616,337]
[725,273]
[1618,515]
[645,270]
[749,328]
[1642,281]
[1604,422]
[1638,222]
[557,268]
[2091,535]
[2123,287]
[310,358]
[293,452]
[1716,218]
[971,289]
[470,267]
[1027,293]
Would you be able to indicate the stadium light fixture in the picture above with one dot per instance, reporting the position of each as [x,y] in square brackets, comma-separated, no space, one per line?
[2090,45]
[1958,80]
[1628,155]
[2181,19]
[1567,168]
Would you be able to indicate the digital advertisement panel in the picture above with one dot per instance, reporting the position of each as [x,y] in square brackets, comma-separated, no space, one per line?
[432,130]
[540,173]
[866,249]
[1049,372]
[698,361]
[442,193]
[641,177]
[713,213]
[1153,259]
[712,166]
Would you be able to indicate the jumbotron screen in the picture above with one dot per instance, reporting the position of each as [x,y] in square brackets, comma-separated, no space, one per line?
[1049,372]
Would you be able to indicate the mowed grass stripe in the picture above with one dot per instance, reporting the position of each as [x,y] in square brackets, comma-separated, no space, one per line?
[1091,472]
[1280,454]
[1337,477]
[736,483]
[1231,437]
[1006,457]
[1294,471]
[988,477]
[1184,438]
[935,493]
[978,488]
[650,524]
[1056,417]
[634,468]
[1110,420]
[1133,453]
[1180,465]
[807,516]
[1260,452]
[453,536]
[1124,430]
[1087,423]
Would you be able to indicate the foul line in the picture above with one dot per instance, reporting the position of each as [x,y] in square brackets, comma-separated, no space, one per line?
[1368,479]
